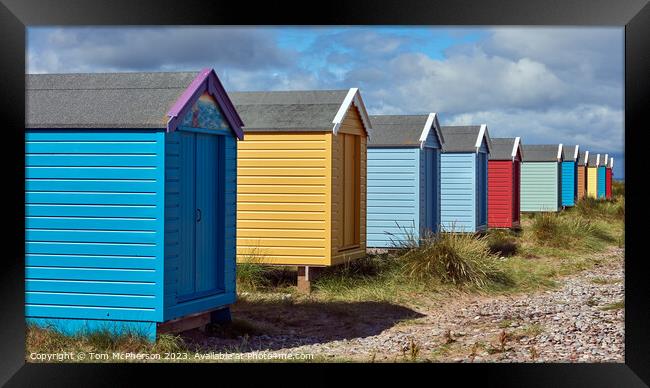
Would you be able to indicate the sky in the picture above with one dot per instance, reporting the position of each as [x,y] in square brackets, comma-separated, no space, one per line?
[545,84]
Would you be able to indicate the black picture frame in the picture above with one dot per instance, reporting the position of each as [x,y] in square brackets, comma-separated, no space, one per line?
[16,15]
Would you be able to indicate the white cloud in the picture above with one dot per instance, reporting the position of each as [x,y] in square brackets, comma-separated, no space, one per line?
[459,84]
[544,84]
[182,48]
[595,127]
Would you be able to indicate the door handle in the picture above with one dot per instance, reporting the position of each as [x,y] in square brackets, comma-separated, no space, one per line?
[198,215]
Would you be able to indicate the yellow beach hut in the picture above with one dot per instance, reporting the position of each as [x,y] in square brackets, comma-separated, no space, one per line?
[301,185]
[592,175]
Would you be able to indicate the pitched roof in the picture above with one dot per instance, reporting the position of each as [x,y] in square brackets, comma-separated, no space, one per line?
[542,152]
[604,159]
[465,138]
[570,152]
[503,148]
[593,159]
[119,100]
[300,110]
[403,130]
[582,156]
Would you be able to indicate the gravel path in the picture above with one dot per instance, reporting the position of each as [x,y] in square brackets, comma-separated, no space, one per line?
[579,321]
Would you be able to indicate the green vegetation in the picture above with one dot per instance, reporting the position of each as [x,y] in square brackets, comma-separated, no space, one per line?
[49,340]
[453,258]
[549,245]
[254,276]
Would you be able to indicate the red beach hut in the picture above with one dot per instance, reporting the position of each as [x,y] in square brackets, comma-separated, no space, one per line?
[608,178]
[504,177]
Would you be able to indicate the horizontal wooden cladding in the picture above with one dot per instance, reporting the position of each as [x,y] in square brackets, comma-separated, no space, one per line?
[91,312]
[93,232]
[89,299]
[90,160]
[293,207]
[280,181]
[275,242]
[457,192]
[91,274]
[90,223]
[284,145]
[265,251]
[271,163]
[539,186]
[97,236]
[288,233]
[94,173]
[91,147]
[282,199]
[592,182]
[91,210]
[281,225]
[270,171]
[91,185]
[500,194]
[286,189]
[278,259]
[581,181]
[90,261]
[97,286]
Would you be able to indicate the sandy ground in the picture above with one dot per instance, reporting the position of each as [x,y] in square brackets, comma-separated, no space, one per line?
[576,322]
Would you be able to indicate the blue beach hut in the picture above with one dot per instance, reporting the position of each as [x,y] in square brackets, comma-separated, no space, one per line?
[403,179]
[569,177]
[464,178]
[130,200]
[602,176]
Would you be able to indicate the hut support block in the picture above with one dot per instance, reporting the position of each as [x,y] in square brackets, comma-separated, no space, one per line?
[194,321]
[305,276]
[221,316]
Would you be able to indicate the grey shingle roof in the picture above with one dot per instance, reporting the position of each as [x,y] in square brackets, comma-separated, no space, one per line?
[581,158]
[399,130]
[592,159]
[102,100]
[311,110]
[462,138]
[502,148]
[540,152]
[568,152]
[602,160]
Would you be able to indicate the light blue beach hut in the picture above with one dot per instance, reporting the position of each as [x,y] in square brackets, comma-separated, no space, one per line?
[403,179]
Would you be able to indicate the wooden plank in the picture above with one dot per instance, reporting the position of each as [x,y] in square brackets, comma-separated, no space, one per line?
[183,324]
[109,287]
[93,185]
[91,198]
[90,261]
[91,223]
[97,210]
[90,172]
[90,160]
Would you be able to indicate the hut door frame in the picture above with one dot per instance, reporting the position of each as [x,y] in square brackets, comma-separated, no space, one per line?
[207,213]
[350,188]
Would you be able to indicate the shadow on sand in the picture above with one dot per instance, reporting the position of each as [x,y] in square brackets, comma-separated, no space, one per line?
[273,325]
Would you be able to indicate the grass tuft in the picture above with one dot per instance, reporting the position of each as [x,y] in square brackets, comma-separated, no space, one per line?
[252,275]
[454,258]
